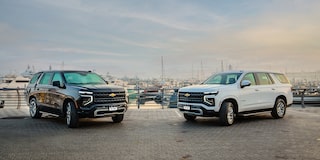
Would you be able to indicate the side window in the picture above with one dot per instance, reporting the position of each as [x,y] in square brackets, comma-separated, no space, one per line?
[232,78]
[250,77]
[282,78]
[264,79]
[35,78]
[45,78]
[57,77]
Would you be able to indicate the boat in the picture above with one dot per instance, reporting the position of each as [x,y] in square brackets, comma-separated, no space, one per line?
[12,91]
[13,82]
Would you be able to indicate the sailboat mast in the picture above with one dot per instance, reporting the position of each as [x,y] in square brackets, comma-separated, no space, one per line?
[162,74]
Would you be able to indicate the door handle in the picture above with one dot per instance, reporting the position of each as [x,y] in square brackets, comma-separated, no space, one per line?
[256,89]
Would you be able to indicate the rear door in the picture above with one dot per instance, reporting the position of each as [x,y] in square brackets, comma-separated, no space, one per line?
[42,88]
[267,90]
[32,84]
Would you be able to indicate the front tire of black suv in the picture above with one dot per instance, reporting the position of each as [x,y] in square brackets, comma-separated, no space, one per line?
[72,118]
[118,118]
[227,115]
[34,109]
[189,117]
[279,109]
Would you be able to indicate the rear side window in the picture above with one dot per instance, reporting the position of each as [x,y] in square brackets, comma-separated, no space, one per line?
[35,78]
[282,78]
[264,79]
[45,79]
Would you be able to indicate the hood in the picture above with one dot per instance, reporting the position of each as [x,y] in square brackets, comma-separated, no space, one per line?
[93,87]
[202,88]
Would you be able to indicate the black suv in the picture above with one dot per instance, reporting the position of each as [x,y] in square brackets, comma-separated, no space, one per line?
[75,94]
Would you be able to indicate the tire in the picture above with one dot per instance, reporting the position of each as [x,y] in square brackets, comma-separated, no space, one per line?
[34,109]
[118,118]
[72,118]
[226,114]
[279,109]
[189,117]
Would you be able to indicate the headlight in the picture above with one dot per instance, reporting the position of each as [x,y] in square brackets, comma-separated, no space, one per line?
[211,93]
[209,97]
[86,97]
[85,92]
[126,95]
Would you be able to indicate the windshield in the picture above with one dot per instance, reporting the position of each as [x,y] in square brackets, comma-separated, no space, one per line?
[223,78]
[83,78]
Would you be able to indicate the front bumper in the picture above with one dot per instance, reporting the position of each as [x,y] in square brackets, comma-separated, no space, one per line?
[197,109]
[103,110]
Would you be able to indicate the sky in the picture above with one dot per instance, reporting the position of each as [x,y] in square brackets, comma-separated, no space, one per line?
[133,38]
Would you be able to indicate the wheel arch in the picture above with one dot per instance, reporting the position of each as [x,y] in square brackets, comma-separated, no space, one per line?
[281,97]
[64,106]
[233,101]
[30,97]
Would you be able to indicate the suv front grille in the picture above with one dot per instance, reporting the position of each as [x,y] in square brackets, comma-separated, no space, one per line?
[191,97]
[109,97]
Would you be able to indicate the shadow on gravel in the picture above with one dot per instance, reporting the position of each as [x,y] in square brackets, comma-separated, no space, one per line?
[214,121]
[16,117]
[83,122]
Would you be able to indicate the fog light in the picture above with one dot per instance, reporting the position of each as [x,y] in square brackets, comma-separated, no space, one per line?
[209,101]
[86,100]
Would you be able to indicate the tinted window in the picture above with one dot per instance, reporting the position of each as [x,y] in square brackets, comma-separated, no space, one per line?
[83,78]
[45,79]
[282,78]
[223,78]
[35,78]
[57,77]
[250,77]
[264,79]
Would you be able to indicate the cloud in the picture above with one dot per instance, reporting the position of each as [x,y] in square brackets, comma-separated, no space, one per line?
[11,35]
[83,51]
[109,34]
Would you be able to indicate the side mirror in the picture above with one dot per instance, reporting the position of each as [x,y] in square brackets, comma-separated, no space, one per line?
[245,83]
[58,84]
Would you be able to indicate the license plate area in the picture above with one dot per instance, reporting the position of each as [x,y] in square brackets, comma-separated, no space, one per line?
[113,108]
[187,108]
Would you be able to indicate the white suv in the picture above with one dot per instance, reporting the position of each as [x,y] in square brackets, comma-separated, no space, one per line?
[228,94]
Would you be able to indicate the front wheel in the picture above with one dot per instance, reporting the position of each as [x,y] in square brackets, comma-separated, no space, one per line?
[279,109]
[72,119]
[118,118]
[227,114]
[34,109]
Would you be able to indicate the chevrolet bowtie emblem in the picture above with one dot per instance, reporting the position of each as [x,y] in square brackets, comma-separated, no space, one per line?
[112,95]
[187,95]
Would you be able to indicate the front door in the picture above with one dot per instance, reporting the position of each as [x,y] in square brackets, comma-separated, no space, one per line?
[249,97]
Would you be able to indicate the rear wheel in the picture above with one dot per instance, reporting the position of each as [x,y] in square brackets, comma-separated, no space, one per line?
[189,117]
[72,118]
[227,115]
[279,109]
[34,109]
[118,118]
